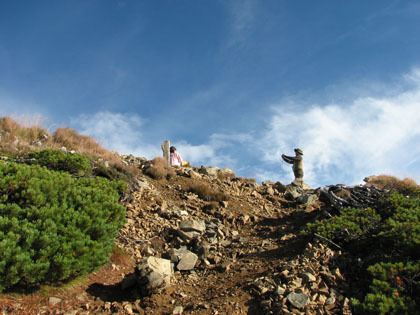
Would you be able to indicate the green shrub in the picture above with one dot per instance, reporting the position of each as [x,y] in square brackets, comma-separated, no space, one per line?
[60,161]
[350,224]
[402,228]
[387,241]
[394,288]
[54,227]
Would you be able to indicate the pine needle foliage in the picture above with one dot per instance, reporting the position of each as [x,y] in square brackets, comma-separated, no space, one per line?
[54,227]
[388,240]
[58,160]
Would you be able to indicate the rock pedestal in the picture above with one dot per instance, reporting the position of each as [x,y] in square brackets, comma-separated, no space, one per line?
[166,150]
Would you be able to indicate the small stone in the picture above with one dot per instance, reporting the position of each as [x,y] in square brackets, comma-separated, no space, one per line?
[187,236]
[270,191]
[309,277]
[298,300]
[307,199]
[297,283]
[322,299]
[280,290]
[338,274]
[187,262]
[193,174]
[54,300]
[330,300]
[178,310]
[128,308]
[107,306]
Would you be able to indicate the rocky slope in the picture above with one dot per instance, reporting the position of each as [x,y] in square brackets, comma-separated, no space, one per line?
[189,255]
[240,256]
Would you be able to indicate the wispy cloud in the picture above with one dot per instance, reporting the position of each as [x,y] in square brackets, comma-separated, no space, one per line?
[124,134]
[242,17]
[26,112]
[220,150]
[346,142]
[117,131]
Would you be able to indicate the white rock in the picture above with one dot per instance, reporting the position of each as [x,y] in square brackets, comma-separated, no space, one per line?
[54,300]
[298,300]
[178,310]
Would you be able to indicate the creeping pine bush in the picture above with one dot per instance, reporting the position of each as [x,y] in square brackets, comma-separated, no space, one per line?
[391,234]
[394,288]
[54,227]
[352,223]
[61,161]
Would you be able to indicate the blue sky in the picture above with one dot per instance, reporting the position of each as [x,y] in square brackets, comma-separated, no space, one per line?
[230,83]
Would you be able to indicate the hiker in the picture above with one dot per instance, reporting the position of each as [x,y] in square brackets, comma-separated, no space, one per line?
[297,162]
[174,159]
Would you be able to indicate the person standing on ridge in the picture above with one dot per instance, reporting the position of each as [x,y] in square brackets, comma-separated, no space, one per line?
[297,162]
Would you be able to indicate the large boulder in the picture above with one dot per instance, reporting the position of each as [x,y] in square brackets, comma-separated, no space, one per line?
[212,171]
[193,226]
[227,172]
[293,192]
[153,273]
[307,199]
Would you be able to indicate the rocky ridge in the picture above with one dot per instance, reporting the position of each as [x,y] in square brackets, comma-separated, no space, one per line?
[236,239]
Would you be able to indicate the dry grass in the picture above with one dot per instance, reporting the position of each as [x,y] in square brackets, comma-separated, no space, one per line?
[70,139]
[389,182]
[160,169]
[15,137]
[11,130]
[205,192]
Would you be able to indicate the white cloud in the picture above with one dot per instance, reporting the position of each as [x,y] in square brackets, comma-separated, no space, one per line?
[215,151]
[346,142]
[124,134]
[116,131]
[342,142]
